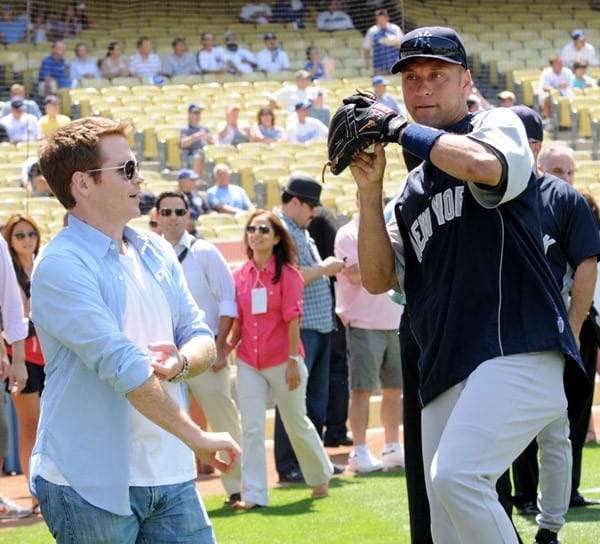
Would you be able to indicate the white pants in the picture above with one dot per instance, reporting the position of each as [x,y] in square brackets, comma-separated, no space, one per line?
[253,389]
[473,431]
[213,391]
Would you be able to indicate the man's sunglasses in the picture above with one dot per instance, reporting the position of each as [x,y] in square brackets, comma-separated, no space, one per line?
[433,45]
[129,169]
[263,229]
[166,212]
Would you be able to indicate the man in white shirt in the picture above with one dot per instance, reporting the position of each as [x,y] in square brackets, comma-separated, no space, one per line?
[145,64]
[211,283]
[272,58]
[334,18]
[255,12]
[302,128]
[20,126]
[556,76]
[210,58]
[289,95]
[578,50]
[238,60]
[83,67]
[381,43]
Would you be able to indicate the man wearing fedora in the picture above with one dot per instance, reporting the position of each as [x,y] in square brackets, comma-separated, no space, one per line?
[299,199]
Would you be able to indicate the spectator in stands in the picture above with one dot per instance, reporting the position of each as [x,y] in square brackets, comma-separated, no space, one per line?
[381,43]
[238,60]
[53,119]
[211,59]
[11,30]
[578,50]
[145,64]
[180,62]
[114,64]
[289,95]
[314,65]
[265,130]
[380,84]
[83,67]
[289,11]
[225,197]
[278,368]
[302,128]
[20,125]
[318,110]
[558,160]
[556,76]
[22,235]
[198,204]
[53,73]
[193,138]
[36,184]
[272,58]
[255,12]
[233,131]
[334,18]
[506,99]
[69,26]
[82,16]
[581,80]
[39,28]
[18,91]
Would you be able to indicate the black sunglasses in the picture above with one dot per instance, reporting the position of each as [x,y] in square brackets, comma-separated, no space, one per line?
[129,169]
[23,235]
[166,212]
[263,229]
[433,45]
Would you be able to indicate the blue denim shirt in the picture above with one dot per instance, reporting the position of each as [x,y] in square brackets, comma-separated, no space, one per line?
[77,303]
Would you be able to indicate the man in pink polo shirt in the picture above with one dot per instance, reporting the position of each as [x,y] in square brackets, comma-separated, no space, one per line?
[373,357]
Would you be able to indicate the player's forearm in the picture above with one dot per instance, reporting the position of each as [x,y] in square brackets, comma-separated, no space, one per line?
[466,159]
[375,255]
[311,273]
[582,293]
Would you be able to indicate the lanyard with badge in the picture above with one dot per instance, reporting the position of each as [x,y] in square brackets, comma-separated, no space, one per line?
[259,297]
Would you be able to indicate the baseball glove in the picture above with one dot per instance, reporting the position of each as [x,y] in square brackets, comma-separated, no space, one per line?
[358,123]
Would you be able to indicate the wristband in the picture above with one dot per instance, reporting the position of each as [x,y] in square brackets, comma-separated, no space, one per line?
[419,139]
[296,358]
[183,373]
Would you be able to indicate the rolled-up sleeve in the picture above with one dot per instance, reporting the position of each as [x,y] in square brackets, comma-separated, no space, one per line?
[291,293]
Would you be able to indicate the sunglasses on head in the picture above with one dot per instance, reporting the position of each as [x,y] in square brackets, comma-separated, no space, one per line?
[23,235]
[166,212]
[263,229]
[433,45]
[129,169]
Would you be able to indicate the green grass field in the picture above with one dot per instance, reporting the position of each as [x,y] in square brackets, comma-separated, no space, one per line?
[369,508]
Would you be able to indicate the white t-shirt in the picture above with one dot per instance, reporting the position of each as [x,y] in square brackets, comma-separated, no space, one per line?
[272,61]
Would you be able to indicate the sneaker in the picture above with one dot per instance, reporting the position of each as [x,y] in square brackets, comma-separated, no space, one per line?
[392,459]
[11,510]
[544,536]
[364,463]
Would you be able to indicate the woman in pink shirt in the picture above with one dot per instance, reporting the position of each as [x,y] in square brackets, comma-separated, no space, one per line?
[270,358]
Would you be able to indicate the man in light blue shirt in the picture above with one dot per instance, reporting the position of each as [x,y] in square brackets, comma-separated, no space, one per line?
[119,329]
[225,197]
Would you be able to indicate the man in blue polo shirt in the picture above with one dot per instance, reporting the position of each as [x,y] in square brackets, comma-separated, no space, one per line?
[54,70]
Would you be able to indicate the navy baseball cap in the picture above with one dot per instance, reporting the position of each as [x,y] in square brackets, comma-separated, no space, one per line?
[431,42]
[577,34]
[379,80]
[186,173]
[304,105]
[270,36]
[194,108]
[304,187]
[532,121]
[17,104]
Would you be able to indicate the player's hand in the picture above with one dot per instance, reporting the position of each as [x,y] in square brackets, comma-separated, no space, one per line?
[220,362]
[368,169]
[17,378]
[213,443]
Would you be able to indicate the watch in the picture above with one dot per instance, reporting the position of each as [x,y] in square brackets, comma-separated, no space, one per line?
[297,358]
[183,373]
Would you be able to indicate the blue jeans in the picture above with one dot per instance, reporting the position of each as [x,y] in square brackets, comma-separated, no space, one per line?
[161,515]
[317,347]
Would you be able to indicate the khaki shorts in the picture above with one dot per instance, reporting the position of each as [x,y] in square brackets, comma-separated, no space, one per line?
[373,359]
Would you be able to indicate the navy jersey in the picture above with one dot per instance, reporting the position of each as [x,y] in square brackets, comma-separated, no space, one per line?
[569,228]
[477,281]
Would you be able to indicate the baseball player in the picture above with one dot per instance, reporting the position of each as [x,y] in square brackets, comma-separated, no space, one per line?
[466,248]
